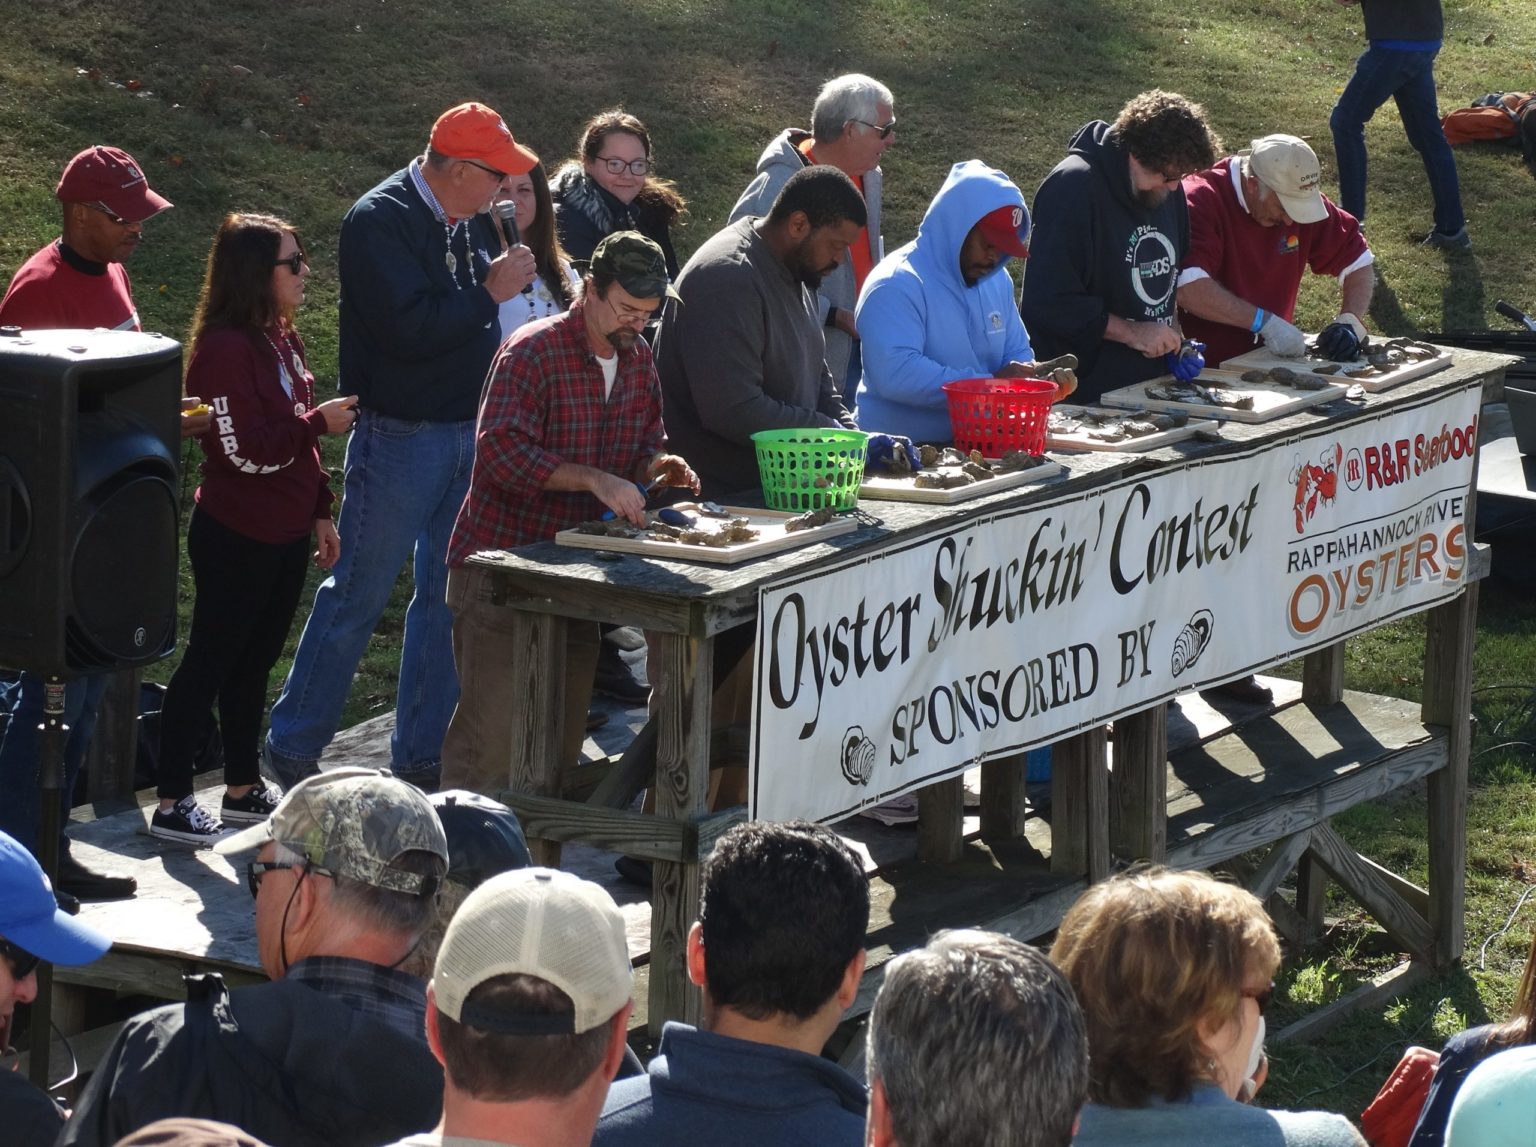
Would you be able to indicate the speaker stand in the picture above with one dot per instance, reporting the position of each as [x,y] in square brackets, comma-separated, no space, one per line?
[55,733]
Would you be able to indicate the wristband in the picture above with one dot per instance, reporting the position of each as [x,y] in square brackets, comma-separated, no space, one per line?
[1260,317]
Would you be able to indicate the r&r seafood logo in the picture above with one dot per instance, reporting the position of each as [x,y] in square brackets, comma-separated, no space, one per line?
[1316,483]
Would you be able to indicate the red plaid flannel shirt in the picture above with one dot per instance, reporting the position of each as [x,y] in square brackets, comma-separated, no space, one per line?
[543,405]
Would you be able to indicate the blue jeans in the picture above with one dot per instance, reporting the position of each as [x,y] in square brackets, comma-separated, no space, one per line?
[21,750]
[405,482]
[1409,79]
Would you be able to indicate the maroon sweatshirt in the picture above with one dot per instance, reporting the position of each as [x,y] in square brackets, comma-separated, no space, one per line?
[262,476]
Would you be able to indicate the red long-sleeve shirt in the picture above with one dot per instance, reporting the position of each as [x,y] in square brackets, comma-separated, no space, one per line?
[544,405]
[262,476]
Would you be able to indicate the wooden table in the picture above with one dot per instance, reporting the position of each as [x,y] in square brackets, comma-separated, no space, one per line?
[687,608]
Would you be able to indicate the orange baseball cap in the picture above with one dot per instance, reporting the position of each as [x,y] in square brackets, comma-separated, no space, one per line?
[474,131]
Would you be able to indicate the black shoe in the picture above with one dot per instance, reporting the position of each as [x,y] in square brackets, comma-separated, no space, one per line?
[1460,241]
[427,777]
[1244,689]
[596,719]
[66,902]
[84,884]
[254,807]
[634,870]
[615,679]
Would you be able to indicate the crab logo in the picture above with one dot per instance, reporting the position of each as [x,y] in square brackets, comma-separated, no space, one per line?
[858,756]
[1316,484]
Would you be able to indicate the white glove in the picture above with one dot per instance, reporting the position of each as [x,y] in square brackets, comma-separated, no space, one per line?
[1283,338]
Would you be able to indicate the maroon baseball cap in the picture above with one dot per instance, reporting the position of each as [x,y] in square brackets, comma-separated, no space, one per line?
[112,178]
[1007,229]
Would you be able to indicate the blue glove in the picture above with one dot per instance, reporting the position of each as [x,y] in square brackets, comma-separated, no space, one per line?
[880,452]
[1187,362]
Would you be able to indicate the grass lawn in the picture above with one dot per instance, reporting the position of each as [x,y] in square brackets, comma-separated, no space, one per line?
[299,107]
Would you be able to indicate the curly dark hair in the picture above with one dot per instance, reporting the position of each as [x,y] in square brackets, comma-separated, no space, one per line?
[1166,132]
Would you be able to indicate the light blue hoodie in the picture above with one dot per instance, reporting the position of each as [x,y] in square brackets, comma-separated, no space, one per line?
[920,326]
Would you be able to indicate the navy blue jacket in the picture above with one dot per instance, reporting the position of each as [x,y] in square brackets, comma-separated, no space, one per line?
[413,345]
[710,1089]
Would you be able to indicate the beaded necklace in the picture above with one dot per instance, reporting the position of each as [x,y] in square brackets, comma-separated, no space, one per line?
[450,260]
[294,377]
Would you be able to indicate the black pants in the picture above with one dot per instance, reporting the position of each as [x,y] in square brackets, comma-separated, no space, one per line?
[247,593]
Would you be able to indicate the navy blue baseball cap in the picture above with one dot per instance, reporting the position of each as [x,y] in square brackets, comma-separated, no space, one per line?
[30,917]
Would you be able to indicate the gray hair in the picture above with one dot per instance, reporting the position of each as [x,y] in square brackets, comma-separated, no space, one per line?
[977,1038]
[850,97]
[365,909]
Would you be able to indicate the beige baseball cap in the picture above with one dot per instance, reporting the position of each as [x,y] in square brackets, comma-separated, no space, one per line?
[353,822]
[1288,166]
[538,922]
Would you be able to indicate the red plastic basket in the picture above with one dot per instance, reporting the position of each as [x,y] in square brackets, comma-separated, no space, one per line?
[996,415]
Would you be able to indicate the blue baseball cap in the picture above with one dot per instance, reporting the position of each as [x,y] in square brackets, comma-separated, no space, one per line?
[30,917]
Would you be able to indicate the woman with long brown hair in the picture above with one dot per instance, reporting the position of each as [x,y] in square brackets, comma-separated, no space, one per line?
[1465,1050]
[553,289]
[611,186]
[264,491]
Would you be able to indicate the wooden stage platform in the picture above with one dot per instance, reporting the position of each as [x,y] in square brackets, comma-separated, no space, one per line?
[193,912]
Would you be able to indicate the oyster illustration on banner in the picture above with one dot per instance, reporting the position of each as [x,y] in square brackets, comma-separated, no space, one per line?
[1192,640]
[858,756]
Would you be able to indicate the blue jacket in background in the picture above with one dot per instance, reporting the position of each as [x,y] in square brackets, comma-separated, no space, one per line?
[708,1090]
[413,345]
[920,326]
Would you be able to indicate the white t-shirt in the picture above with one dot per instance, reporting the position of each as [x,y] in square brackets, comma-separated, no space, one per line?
[433,1139]
[536,303]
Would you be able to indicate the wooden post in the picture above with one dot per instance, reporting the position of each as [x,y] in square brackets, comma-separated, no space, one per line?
[535,764]
[114,747]
[1138,807]
[1322,676]
[1311,898]
[1004,797]
[682,693]
[1080,804]
[940,819]
[1449,633]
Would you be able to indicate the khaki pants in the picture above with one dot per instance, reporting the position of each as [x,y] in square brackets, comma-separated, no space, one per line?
[477,749]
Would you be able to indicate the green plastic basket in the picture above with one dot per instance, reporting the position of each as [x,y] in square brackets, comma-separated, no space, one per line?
[810,469]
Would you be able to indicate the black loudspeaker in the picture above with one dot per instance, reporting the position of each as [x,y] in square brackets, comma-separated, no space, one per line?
[89,491]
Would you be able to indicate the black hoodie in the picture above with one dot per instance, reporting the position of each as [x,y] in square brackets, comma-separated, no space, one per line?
[1096,252]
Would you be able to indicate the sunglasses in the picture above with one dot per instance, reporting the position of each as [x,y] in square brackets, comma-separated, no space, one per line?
[293,262]
[23,963]
[617,166]
[112,216]
[883,130]
[1262,998]
[500,175]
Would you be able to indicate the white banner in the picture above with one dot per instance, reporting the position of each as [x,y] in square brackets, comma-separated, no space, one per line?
[889,671]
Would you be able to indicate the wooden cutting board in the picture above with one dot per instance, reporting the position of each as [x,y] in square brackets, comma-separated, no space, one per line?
[1079,439]
[1263,358]
[772,538]
[886,489]
[1269,400]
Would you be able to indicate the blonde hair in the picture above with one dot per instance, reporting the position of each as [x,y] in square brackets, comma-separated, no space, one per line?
[1151,953]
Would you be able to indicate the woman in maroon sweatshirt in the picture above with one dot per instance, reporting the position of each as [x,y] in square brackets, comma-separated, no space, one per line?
[263,492]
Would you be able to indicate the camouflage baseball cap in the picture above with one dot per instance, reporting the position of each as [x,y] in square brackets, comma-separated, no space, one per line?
[635,263]
[353,822]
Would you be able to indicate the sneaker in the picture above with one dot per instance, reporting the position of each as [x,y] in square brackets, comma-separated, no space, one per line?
[254,807]
[189,822]
[1459,241]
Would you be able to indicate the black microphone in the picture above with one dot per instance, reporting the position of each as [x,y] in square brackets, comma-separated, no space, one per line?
[505,212]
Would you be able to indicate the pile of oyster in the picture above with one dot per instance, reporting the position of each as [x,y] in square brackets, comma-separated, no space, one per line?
[1101,424]
[1378,357]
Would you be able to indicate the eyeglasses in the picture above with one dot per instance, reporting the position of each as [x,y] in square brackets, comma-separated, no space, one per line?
[1262,998]
[883,130]
[256,869]
[293,262]
[617,166]
[500,175]
[23,963]
[112,216]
